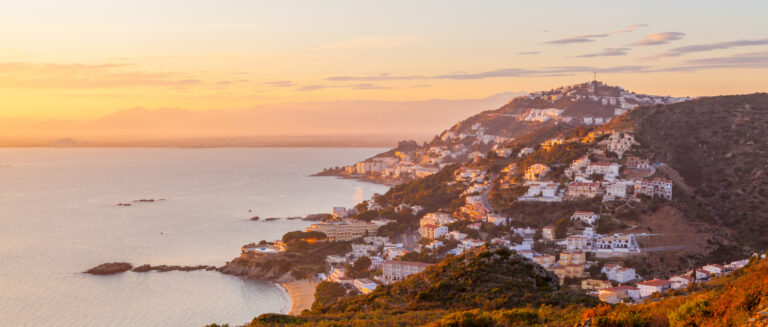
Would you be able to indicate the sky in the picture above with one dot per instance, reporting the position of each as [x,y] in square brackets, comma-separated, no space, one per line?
[86,59]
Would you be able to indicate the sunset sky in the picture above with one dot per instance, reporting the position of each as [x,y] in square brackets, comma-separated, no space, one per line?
[85,59]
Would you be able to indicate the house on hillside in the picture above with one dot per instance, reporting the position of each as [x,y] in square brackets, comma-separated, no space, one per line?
[619,294]
[658,187]
[536,172]
[595,284]
[588,217]
[617,244]
[681,281]
[577,189]
[618,273]
[714,269]
[619,143]
[608,169]
[647,288]
[392,271]
[636,162]
[432,231]
[578,243]
[548,232]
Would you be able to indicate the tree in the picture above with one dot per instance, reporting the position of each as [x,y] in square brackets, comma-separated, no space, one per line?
[360,267]
[561,228]
[328,292]
[538,235]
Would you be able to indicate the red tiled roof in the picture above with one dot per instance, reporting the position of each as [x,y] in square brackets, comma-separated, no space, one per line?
[620,288]
[655,283]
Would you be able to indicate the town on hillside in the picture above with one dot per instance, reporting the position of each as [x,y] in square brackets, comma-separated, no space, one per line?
[390,239]
[589,104]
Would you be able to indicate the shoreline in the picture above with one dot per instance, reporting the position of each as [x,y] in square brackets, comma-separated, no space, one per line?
[301,294]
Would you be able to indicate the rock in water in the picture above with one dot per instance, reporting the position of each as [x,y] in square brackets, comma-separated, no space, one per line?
[109,268]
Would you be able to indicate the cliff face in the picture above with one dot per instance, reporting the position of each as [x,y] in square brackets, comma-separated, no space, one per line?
[274,268]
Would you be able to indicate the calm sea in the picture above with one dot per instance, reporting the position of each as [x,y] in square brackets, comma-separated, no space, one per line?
[58,217]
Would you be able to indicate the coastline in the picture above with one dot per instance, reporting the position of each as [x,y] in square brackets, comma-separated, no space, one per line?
[301,293]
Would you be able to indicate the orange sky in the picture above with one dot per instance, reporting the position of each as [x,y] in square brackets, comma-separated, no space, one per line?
[85,60]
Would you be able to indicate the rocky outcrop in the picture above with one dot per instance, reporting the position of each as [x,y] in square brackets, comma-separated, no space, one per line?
[164,268]
[274,268]
[109,268]
[317,216]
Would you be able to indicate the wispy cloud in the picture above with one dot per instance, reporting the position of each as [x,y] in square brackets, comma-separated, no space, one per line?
[84,76]
[311,87]
[659,38]
[380,77]
[676,52]
[529,52]
[281,83]
[591,37]
[368,86]
[608,52]
[370,42]
[546,71]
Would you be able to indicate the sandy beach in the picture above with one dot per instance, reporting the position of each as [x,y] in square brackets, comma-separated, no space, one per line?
[302,293]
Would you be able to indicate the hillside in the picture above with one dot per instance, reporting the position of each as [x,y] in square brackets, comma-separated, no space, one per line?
[738,299]
[487,278]
[717,149]
[533,117]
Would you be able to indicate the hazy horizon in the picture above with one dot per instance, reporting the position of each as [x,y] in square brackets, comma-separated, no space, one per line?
[345,68]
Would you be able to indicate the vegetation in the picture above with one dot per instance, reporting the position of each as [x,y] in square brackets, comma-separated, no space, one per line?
[733,300]
[490,277]
[431,192]
[719,148]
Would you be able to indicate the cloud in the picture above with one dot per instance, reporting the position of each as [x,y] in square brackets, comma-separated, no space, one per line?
[311,87]
[380,77]
[659,38]
[529,52]
[281,83]
[591,37]
[370,42]
[546,71]
[368,86]
[85,76]
[676,52]
[608,52]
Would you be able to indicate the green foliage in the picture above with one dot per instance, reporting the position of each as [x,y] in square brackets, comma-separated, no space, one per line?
[299,235]
[328,292]
[719,147]
[561,227]
[360,268]
[431,192]
[490,277]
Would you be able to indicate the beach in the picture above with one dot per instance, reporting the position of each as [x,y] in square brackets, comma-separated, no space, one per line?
[302,293]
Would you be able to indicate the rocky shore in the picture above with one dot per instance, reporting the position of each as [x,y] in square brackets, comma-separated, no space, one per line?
[164,268]
[109,268]
[120,267]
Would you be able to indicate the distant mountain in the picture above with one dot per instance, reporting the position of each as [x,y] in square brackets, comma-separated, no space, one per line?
[327,123]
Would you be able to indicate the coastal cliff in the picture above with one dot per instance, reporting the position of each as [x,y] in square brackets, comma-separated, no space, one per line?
[273,268]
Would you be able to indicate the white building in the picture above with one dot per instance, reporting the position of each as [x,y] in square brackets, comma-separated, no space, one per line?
[680,281]
[647,288]
[588,217]
[608,169]
[392,271]
[617,243]
[436,218]
[619,274]
[364,285]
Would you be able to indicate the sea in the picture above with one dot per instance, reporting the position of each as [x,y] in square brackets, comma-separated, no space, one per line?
[59,216]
